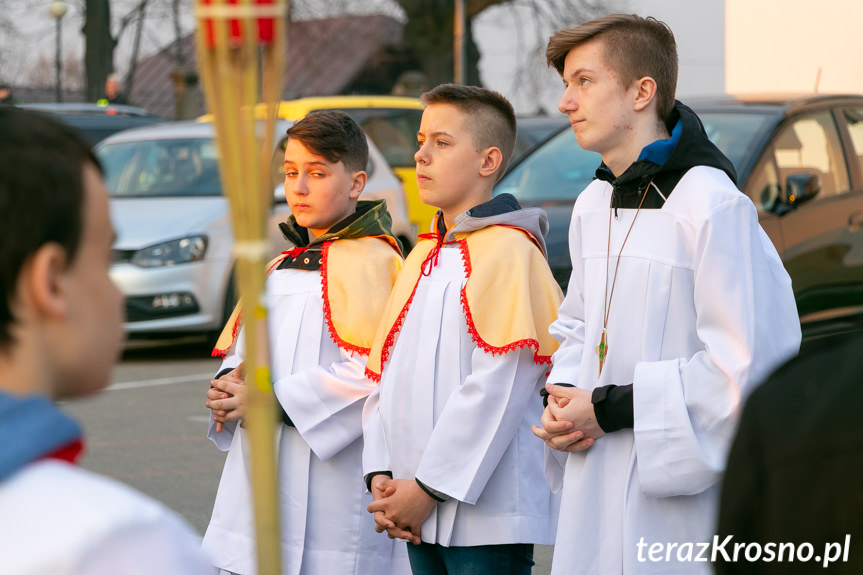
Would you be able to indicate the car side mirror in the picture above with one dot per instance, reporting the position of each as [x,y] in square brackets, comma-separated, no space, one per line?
[801,187]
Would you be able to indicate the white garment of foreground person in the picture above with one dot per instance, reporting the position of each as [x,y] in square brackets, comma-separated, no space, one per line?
[60,520]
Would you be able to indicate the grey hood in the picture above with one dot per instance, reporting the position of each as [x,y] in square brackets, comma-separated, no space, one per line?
[503,209]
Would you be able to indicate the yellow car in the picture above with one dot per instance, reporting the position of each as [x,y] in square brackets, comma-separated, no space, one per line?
[392,123]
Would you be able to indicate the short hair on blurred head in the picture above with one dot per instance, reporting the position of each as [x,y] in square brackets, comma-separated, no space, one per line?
[41,195]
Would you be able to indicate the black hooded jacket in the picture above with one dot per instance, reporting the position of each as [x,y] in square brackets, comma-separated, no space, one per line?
[659,167]
[664,162]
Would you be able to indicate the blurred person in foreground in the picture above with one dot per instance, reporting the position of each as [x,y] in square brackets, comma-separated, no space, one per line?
[661,335]
[60,334]
[795,471]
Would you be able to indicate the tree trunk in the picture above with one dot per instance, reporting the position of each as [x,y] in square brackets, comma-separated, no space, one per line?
[128,85]
[99,47]
[429,37]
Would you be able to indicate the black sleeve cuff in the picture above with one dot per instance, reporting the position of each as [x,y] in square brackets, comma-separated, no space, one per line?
[544,392]
[612,405]
[224,372]
[429,491]
[368,477]
[284,417]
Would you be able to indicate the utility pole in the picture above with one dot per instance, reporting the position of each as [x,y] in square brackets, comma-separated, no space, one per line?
[458,43]
[58,10]
[133,62]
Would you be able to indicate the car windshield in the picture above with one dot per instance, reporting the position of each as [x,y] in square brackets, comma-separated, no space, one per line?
[735,133]
[174,167]
[560,169]
[393,130]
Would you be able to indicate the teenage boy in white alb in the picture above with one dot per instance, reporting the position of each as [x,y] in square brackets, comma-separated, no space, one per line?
[461,355]
[677,306]
[325,298]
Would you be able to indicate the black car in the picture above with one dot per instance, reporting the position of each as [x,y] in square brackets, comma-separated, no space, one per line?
[800,160]
[94,121]
[532,131]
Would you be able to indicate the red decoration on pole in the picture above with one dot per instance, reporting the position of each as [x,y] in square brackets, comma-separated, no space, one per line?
[266,26]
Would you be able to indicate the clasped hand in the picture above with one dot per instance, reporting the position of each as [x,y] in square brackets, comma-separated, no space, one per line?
[400,507]
[568,422]
[227,397]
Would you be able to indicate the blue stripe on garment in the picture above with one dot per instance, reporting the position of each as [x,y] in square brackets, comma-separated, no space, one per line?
[31,427]
[659,151]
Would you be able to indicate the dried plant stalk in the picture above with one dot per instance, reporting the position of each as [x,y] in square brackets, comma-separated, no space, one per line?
[241,49]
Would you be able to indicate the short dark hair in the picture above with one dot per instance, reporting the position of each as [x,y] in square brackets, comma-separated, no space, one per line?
[334,135]
[633,46]
[41,195]
[491,116]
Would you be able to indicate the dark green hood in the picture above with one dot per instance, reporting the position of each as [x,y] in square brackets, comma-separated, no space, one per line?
[371,218]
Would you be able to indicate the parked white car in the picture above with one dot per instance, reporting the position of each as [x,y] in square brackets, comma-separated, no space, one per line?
[173,255]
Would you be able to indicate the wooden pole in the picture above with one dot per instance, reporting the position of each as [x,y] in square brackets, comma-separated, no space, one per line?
[233,37]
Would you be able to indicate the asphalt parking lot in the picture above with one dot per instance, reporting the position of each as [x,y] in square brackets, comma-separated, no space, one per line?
[148,429]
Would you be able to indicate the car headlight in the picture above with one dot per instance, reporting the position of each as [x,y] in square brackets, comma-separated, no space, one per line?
[182,251]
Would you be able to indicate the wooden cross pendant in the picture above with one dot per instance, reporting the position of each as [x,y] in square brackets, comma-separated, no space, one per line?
[601,352]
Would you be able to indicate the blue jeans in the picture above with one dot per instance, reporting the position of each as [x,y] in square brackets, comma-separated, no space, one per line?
[433,559]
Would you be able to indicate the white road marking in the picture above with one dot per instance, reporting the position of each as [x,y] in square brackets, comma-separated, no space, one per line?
[202,377]
[199,418]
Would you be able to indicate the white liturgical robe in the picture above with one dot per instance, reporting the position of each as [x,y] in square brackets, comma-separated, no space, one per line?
[59,519]
[325,525]
[702,311]
[459,419]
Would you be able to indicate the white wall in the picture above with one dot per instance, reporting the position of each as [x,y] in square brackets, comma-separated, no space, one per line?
[779,45]
[699,28]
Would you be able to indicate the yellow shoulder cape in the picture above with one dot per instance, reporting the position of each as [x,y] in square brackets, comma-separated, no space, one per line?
[356,278]
[509,299]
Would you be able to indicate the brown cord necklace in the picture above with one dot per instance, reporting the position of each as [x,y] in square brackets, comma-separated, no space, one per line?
[602,348]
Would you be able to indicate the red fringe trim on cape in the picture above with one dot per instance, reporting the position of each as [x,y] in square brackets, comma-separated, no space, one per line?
[471,327]
[328,316]
[234,331]
[391,336]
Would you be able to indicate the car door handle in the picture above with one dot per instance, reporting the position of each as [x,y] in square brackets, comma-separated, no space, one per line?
[855,221]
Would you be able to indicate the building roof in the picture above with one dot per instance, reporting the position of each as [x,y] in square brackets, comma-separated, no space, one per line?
[324,56]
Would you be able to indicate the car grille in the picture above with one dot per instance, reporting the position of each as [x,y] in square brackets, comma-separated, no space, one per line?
[122,256]
[142,309]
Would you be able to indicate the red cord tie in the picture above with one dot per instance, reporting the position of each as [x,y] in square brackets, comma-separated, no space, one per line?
[434,255]
[294,252]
